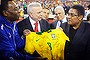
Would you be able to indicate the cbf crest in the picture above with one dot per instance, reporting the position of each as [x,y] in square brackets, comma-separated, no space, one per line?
[53,36]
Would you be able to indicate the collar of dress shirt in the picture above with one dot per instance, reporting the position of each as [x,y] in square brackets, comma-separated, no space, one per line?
[32,23]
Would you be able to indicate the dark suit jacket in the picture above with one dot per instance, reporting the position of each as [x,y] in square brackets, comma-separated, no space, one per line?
[79,48]
[53,24]
[26,24]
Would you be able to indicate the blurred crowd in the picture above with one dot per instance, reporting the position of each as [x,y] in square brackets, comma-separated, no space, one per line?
[49,6]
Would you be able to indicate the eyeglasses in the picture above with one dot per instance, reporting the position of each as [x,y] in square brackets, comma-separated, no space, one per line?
[72,14]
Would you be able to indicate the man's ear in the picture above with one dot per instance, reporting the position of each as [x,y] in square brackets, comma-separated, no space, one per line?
[80,17]
[5,13]
[30,13]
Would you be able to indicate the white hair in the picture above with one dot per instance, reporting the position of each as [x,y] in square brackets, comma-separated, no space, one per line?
[33,4]
[59,7]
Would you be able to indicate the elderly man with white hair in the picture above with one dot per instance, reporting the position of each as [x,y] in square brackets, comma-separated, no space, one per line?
[59,18]
[34,10]
[33,23]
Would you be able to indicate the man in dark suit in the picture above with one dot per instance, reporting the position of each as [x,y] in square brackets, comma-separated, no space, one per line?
[25,26]
[78,32]
[34,10]
[59,18]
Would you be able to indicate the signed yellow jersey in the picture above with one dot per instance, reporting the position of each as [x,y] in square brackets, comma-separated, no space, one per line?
[48,44]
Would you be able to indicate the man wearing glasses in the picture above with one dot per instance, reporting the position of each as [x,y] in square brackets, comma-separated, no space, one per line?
[78,32]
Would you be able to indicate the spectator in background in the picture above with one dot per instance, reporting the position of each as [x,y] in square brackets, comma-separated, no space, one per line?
[59,18]
[88,18]
[21,12]
[87,11]
[66,7]
[78,48]
[45,13]
[25,8]
[88,6]
[11,45]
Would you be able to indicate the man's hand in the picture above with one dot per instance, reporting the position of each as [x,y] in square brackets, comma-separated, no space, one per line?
[60,28]
[26,32]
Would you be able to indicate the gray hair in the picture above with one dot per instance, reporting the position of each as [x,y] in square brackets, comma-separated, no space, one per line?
[59,7]
[33,4]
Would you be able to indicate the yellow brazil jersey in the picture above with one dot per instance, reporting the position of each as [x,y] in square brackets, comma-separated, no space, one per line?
[48,44]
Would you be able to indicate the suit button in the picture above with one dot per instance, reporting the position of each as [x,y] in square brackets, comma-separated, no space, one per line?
[68,53]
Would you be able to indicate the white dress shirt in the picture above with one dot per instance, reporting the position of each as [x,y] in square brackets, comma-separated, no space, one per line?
[58,24]
[33,22]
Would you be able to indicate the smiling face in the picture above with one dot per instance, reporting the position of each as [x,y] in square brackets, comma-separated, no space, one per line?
[11,13]
[59,14]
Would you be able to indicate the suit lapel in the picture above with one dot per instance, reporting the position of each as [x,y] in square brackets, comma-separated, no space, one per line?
[28,24]
[55,23]
[42,25]
[79,32]
[65,27]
